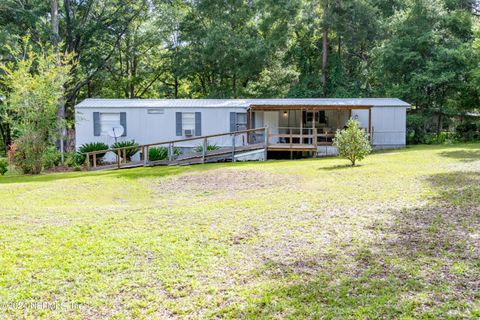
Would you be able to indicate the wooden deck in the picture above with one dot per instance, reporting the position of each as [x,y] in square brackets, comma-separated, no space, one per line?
[256,139]
[291,147]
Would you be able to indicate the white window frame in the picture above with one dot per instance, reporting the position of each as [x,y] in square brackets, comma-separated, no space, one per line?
[188,121]
[106,124]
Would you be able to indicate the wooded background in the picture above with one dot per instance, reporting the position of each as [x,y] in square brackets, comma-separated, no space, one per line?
[423,51]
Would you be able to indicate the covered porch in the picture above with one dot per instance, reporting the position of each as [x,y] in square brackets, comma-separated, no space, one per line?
[305,127]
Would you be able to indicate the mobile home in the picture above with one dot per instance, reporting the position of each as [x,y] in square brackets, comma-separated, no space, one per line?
[293,124]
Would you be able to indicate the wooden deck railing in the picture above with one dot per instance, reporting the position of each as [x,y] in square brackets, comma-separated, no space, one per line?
[274,139]
[292,137]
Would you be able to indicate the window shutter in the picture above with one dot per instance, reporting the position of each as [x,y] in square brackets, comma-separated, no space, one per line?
[123,123]
[178,123]
[198,123]
[96,124]
[233,121]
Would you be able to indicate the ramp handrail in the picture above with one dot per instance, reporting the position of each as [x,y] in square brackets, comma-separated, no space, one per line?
[121,152]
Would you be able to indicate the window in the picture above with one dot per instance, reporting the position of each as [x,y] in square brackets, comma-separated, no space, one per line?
[108,120]
[188,120]
[319,117]
[191,121]
[241,121]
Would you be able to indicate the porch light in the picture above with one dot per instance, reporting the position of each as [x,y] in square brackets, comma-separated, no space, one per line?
[285,114]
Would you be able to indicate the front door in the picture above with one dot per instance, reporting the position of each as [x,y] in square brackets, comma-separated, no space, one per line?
[270,120]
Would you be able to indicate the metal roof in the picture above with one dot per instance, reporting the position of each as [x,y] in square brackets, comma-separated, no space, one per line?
[240,103]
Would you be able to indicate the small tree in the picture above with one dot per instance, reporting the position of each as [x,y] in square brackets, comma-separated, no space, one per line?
[352,143]
[3,166]
[34,87]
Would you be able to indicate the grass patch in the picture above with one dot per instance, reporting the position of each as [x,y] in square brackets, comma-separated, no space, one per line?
[396,237]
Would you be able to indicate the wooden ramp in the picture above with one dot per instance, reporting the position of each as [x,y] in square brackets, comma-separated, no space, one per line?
[253,140]
[226,154]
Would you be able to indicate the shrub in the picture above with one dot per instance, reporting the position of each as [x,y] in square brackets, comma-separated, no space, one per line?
[352,142]
[51,158]
[468,131]
[90,147]
[74,159]
[29,153]
[11,151]
[416,127]
[79,158]
[440,138]
[210,147]
[161,153]
[130,152]
[70,159]
[3,166]
[157,153]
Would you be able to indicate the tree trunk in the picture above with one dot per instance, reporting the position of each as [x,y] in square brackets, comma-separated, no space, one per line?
[176,88]
[5,132]
[440,123]
[61,104]
[54,12]
[325,48]
[69,43]
[234,84]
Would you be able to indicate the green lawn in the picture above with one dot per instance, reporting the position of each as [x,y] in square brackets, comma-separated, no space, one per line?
[397,237]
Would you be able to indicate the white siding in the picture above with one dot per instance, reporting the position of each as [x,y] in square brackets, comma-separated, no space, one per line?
[144,127]
[388,125]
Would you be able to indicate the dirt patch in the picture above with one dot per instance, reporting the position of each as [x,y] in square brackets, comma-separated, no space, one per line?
[226,180]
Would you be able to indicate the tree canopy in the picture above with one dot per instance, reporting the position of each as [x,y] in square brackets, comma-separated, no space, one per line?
[423,51]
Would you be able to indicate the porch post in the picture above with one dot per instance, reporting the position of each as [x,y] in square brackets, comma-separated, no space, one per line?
[88,160]
[314,132]
[370,123]
[301,126]
[338,119]
[266,143]
[249,134]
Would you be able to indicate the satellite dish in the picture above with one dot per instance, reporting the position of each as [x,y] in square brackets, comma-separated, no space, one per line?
[115,132]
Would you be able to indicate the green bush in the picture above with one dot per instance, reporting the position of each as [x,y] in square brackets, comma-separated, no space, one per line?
[70,159]
[416,127]
[161,153]
[74,159]
[130,152]
[468,131]
[29,153]
[210,147]
[3,166]
[79,158]
[352,143]
[157,153]
[440,138]
[90,147]
[51,158]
